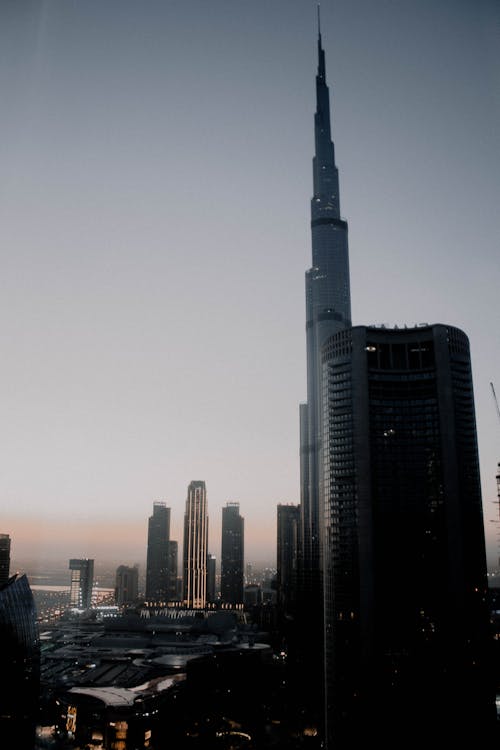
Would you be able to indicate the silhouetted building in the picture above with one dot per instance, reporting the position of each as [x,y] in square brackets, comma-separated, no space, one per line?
[211,578]
[4,558]
[406,621]
[286,558]
[19,664]
[232,554]
[173,572]
[195,546]
[127,585]
[158,561]
[82,582]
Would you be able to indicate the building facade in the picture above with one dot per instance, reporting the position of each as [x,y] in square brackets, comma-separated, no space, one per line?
[4,558]
[288,526]
[158,560]
[127,585]
[82,583]
[232,554]
[406,625]
[20,664]
[195,546]
[173,565]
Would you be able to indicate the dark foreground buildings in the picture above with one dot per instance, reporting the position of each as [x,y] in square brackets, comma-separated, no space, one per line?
[20,665]
[406,619]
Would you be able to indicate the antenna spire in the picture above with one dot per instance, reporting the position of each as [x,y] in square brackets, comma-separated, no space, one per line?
[319,21]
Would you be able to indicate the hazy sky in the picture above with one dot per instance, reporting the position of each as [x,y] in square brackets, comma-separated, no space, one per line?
[154,226]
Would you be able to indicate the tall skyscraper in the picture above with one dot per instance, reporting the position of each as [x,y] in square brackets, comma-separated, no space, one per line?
[406,620]
[19,664]
[4,558]
[195,546]
[232,554]
[328,310]
[82,582]
[127,584]
[157,564]
[286,558]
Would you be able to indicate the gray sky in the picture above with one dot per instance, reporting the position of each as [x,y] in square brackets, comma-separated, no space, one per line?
[154,230]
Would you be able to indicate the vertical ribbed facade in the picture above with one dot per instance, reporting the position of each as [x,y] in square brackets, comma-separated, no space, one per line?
[158,561]
[406,619]
[195,546]
[288,523]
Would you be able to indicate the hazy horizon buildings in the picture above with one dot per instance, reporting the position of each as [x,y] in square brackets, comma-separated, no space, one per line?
[195,546]
[406,620]
[4,558]
[288,529]
[158,553]
[127,584]
[82,583]
[232,554]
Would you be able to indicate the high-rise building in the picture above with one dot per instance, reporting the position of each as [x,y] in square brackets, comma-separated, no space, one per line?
[328,310]
[127,585]
[195,546]
[232,554]
[19,664]
[82,582]
[157,564]
[286,558]
[4,558]
[211,578]
[173,569]
[406,622]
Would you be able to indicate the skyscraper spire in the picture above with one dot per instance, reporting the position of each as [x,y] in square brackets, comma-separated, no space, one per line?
[328,310]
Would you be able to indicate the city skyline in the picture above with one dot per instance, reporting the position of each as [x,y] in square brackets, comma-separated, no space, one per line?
[155,233]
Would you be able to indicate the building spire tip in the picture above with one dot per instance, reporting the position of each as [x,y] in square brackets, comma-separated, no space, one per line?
[319,21]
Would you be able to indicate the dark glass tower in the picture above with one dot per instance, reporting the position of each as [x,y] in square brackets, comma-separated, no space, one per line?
[232,554]
[157,564]
[406,621]
[328,310]
[19,663]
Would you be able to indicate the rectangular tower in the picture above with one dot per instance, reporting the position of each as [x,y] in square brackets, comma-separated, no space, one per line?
[127,585]
[406,623]
[286,558]
[195,546]
[232,554]
[157,565]
[82,581]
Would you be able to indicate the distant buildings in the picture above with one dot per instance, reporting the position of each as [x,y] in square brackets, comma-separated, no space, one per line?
[406,625]
[232,554]
[127,585]
[82,581]
[288,529]
[195,546]
[158,554]
[4,558]
[211,578]
[173,572]
[19,663]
